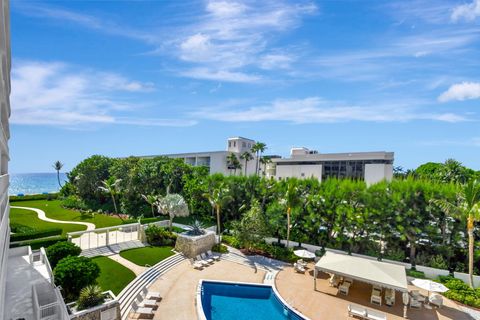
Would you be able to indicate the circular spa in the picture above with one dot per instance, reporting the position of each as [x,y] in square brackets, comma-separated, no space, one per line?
[241,301]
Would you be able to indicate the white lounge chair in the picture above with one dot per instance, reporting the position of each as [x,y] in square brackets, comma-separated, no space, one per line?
[436,300]
[376,297]
[356,311]
[213,256]
[302,263]
[390,297]
[145,303]
[196,264]
[333,281]
[414,303]
[375,315]
[344,288]
[203,262]
[141,310]
[206,258]
[151,295]
[298,268]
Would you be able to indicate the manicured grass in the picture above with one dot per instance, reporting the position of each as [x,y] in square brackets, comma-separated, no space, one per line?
[113,276]
[30,219]
[54,210]
[147,255]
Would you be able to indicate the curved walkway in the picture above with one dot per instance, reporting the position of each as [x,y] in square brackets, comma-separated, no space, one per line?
[42,216]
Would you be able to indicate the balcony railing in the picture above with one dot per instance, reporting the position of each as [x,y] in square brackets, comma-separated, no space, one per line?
[53,308]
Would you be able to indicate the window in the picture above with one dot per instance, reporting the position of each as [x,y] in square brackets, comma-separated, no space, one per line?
[302,174]
[244,144]
[229,144]
[249,145]
[234,143]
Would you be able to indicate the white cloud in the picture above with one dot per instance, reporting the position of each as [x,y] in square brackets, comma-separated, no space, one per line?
[461,91]
[468,11]
[61,95]
[317,110]
[234,36]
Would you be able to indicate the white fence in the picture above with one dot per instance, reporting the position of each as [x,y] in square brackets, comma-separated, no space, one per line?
[429,272]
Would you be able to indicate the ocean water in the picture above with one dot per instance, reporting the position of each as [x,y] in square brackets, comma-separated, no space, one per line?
[35,183]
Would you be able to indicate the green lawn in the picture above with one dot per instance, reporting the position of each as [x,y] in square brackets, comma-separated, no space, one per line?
[147,255]
[29,218]
[113,276]
[54,210]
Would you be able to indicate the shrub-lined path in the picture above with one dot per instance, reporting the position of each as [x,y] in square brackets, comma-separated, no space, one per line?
[42,216]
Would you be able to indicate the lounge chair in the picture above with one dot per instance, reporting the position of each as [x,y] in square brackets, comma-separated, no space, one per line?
[436,300]
[298,268]
[390,297]
[333,281]
[151,295]
[375,315]
[302,263]
[344,288]
[213,256]
[196,264]
[145,303]
[356,311]
[142,310]
[203,262]
[414,303]
[376,297]
[349,281]
[206,258]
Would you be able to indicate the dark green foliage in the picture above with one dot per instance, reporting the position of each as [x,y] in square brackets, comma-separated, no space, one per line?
[159,236]
[220,248]
[231,241]
[90,296]
[37,244]
[60,250]
[49,196]
[75,273]
[460,291]
[20,228]
[416,274]
[35,234]
[196,228]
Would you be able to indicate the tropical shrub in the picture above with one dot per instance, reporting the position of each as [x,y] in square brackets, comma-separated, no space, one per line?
[460,291]
[74,273]
[220,248]
[416,274]
[90,296]
[231,241]
[159,236]
[35,234]
[60,250]
[196,228]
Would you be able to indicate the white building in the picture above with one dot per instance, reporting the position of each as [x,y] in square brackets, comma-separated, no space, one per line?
[304,163]
[27,290]
[217,161]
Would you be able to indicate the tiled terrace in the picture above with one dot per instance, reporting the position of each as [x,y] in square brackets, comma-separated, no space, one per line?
[327,303]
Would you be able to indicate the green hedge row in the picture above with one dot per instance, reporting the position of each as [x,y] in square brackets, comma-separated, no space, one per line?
[49,196]
[38,243]
[460,291]
[35,234]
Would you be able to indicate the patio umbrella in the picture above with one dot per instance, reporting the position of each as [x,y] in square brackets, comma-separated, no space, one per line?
[429,285]
[304,254]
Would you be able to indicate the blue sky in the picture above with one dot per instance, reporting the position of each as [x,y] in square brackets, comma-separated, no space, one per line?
[123,78]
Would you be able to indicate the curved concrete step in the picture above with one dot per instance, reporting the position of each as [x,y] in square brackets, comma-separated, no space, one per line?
[130,292]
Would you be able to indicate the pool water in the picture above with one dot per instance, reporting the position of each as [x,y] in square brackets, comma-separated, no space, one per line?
[227,301]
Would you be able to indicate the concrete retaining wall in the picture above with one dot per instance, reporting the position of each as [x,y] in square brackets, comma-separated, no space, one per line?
[191,246]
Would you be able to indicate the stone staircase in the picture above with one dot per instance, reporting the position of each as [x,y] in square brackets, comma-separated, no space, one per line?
[130,292]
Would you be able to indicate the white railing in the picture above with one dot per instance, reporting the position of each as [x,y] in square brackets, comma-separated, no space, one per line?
[44,259]
[36,307]
[55,310]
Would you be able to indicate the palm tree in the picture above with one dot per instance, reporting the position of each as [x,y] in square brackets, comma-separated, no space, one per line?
[291,200]
[174,205]
[258,148]
[232,161]
[111,188]
[151,200]
[264,161]
[57,165]
[218,197]
[247,156]
[468,209]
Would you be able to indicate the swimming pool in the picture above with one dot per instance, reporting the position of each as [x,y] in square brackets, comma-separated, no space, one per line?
[241,301]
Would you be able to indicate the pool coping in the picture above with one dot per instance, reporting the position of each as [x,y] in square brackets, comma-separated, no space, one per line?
[198,299]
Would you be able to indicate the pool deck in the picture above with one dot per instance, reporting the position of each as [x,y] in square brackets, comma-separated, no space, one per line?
[178,289]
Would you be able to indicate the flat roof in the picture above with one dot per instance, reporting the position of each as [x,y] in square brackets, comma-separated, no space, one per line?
[374,155]
[186,154]
[384,274]
[240,138]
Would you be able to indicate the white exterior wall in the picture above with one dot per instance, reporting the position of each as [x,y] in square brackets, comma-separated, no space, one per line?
[4,153]
[377,172]
[299,171]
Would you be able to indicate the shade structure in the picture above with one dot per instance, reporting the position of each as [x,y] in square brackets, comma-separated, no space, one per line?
[304,254]
[387,275]
[429,285]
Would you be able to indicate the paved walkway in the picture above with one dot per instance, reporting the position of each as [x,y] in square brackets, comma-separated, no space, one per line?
[128,264]
[42,216]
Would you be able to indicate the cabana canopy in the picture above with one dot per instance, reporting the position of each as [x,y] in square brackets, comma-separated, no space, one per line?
[387,275]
